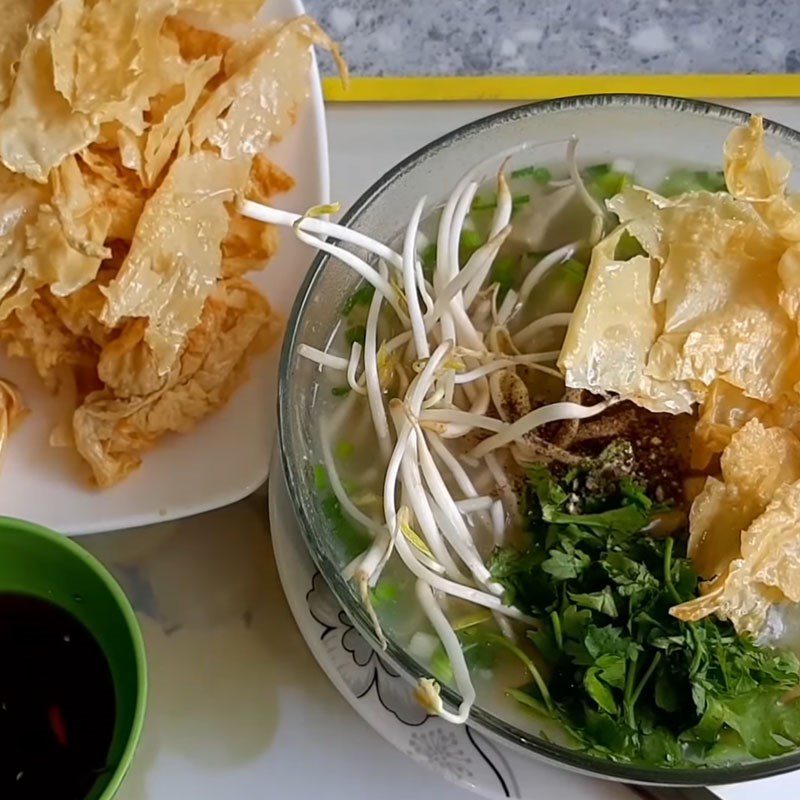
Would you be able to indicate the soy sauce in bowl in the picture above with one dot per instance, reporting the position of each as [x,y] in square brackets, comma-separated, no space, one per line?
[57,702]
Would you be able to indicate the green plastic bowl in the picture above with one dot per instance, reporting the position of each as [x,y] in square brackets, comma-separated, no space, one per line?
[38,562]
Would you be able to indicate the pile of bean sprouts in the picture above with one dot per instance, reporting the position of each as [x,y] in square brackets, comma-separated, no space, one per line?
[457,336]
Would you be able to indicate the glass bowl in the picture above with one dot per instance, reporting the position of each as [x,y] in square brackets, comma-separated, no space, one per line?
[634,127]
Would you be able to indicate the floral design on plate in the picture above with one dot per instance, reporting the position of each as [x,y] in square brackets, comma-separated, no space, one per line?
[443,749]
[359,665]
[457,751]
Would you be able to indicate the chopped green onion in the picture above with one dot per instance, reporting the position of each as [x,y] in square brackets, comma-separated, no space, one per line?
[385,592]
[428,258]
[361,297]
[356,333]
[628,247]
[351,487]
[681,181]
[504,273]
[321,478]
[485,637]
[470,620]
[344,449]
[479,652]
[470,238]
[525,699]
[484,203]
[340,391]
[539,174]
[597,171]
[604,182]
[353,539]
[469,242]
[574,270]
[490,203]
[518,202]
[441,668]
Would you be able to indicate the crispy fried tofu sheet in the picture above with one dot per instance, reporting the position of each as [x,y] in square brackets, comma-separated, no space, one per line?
[723,300]
[129,130]
[708,319]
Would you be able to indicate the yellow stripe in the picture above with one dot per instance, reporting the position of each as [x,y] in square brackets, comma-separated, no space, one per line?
[538,87]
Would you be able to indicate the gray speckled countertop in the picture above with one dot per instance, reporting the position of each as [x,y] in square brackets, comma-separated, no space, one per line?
[492,37]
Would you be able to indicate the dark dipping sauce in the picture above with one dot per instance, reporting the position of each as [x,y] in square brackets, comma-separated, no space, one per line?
[57,703]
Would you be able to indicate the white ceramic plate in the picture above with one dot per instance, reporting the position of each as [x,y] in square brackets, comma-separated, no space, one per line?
[384,699]
[227,456]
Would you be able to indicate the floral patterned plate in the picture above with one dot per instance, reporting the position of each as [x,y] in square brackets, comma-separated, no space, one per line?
[384,699]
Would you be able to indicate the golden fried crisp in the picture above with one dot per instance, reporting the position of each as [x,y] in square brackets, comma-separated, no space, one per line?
[163,136]
[266,180]
[111,431]
[19,203]
[755,464]
[195,43]
[723,286]
[36,332]
[245,113]
[39,128]
[745,530]
[129,132]
[248,244]
[80,311]
[228,10]
[12,410]
[65,243]
[175,260]
[18,17]
[116,191]
[766,575]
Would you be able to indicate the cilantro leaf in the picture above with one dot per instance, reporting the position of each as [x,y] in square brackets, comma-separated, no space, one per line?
[602,601]
[626,679]
[539,174]
[632,577]
[550,494]
[562,565]
[609,639]
[628,519]
[544,641]
[611,669]
[598,691]
[575,621]
[361,297]
[666,696]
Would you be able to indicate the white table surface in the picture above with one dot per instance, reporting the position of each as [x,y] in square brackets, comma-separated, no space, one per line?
[238,707]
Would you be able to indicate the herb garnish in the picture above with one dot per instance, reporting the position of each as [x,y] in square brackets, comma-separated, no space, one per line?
[626,679]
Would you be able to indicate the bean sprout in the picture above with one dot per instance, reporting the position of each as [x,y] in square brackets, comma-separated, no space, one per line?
[598,212]
[427,368]
[352,367]
[473,504]
[524,336]
[538,272]
[454,652]
[410,283]
[536,418]
[323,359]
[367,272]
[371,375]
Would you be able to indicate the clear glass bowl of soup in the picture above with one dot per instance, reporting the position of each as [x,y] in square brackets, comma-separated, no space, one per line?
[657,134]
